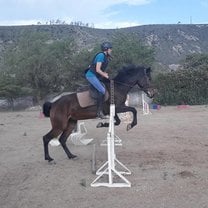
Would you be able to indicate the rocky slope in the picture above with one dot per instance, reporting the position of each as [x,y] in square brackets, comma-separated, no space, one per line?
[171,42]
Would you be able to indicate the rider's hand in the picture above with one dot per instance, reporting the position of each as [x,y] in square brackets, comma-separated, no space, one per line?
[105,75]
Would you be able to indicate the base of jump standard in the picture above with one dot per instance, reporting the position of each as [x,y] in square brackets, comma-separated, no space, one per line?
[111,173]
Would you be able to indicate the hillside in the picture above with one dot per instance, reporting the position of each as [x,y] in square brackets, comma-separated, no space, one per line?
[171,42]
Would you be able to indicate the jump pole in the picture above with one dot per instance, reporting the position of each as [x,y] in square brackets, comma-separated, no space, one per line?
[108,170]
[145,106]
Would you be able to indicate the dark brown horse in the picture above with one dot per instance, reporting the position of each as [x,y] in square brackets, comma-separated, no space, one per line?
[66,111]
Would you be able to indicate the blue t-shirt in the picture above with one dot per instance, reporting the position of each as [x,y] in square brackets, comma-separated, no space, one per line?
[99,58]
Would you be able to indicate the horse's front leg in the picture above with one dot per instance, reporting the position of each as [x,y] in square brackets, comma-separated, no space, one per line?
[124,109]
[117,120]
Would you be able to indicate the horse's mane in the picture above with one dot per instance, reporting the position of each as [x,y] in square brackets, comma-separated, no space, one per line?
[128,71]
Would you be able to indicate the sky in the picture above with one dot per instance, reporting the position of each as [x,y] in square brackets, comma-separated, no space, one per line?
[104,14]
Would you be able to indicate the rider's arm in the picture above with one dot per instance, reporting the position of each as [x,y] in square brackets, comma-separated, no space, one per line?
[99,71]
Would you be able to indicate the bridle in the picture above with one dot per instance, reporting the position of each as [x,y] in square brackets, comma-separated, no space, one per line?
[132,85]
[143,88]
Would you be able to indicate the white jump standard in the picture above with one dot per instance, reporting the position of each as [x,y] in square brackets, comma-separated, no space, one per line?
[145,106]
[108,172]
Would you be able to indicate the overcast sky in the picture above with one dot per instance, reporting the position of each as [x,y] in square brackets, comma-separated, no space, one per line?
[104,13]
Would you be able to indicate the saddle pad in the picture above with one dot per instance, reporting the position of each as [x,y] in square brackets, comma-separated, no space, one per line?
[86,100]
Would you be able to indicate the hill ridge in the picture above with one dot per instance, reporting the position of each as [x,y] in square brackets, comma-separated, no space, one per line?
[172,42]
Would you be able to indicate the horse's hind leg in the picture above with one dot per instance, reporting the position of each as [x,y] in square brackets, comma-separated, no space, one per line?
[46,139]
[63,138]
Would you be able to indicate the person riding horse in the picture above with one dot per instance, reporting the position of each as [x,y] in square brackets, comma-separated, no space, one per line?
[97,71]
[66,111]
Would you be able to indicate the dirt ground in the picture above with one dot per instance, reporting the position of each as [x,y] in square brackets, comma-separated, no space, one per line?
[167,153]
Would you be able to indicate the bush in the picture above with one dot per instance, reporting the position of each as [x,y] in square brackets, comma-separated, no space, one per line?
[182,87]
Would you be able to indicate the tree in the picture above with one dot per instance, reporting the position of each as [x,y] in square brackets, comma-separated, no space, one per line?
[196,61]
[10,89]
[129,49]
[52,66]
[188,85]
[39,63]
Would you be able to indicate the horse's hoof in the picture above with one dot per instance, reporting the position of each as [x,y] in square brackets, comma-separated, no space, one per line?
[74,157]
[51,162]
[128,127]
[49,159]
[99,125]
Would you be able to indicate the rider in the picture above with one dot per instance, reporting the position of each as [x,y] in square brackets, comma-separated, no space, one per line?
[97,71]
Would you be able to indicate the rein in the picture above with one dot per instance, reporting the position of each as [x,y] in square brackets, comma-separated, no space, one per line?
[125,84]
[122,83]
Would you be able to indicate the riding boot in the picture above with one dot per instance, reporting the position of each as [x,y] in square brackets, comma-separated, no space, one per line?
[100,101]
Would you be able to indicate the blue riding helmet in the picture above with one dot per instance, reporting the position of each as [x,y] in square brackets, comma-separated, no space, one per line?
[105,46]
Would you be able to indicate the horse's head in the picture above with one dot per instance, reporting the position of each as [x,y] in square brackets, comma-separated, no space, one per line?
[132,75]
[144,82]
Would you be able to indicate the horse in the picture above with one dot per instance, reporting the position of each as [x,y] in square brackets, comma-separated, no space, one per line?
[66,110]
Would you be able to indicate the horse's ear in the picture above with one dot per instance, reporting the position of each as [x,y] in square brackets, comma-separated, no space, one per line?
[148,70]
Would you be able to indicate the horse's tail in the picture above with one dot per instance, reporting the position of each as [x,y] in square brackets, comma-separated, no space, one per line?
[46,109]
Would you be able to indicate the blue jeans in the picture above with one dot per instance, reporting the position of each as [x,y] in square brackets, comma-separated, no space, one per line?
[96,84]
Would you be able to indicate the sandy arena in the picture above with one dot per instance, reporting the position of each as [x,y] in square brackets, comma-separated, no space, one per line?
[167,153]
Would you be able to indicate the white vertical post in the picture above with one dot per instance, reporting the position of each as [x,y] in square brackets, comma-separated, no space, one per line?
[145,106]
[109,167]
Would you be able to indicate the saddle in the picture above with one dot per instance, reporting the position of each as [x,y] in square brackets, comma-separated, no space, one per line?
[87,96]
